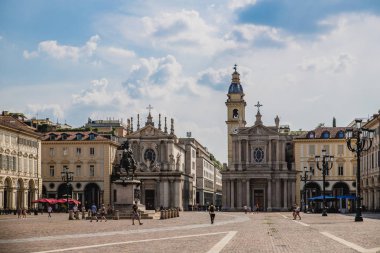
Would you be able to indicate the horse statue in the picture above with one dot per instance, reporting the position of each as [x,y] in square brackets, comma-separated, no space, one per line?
[127,162]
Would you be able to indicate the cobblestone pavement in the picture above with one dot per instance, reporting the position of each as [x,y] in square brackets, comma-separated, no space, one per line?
[192,232]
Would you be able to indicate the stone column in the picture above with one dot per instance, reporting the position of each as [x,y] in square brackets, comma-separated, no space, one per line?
[278,193]
[293,183]
[239,193]
[239,155]
[224,194]
[25,199]
[157,201]
[2,204]
[13,198]
[232,194]
[269,194]
[270,153]
[285,194]
[228,193]
[277,155]
[248,192]
[247,154]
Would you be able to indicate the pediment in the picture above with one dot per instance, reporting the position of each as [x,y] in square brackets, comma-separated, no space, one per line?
[148,131]
[258,130]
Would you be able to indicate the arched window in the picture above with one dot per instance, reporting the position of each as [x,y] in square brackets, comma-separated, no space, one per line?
[235,113]
[340,135]
[311,135]
[258,155]
[325,135]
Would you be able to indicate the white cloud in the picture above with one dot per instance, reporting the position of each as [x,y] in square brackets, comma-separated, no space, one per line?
[46,109]
[328,64]
[53,49]
[236,4]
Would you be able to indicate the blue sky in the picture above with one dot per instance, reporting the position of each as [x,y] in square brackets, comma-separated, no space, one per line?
[305,61]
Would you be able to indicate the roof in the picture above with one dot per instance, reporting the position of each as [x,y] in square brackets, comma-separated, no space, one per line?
[333,131]
[72,136]
[11,122]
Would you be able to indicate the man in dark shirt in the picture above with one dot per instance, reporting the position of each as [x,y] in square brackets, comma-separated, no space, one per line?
[135,214]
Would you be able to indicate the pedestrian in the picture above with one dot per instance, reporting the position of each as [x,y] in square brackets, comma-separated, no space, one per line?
[245,209]
[103,213]
[19,213]
[135,214]
[257,207]
[296,212]
[94,213]
[49,210]
[83,212]
[211,211]
[24,213]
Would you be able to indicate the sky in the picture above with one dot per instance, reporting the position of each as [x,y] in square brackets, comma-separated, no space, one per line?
[306,61]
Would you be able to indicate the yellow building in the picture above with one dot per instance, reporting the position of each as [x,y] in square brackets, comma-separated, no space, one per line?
[88,155]
[340,179]
[370,168]
[20,164]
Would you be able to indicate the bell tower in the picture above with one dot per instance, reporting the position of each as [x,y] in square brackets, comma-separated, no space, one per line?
[235,110]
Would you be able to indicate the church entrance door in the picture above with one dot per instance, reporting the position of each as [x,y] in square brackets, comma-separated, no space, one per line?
[149,199]
[258,198]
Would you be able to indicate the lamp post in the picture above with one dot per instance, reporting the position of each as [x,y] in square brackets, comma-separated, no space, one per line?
[327,163]
[359,139]
[67,176]
[305,178]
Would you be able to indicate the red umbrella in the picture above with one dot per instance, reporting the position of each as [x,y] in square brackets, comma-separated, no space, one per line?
[71,201]
[45,200]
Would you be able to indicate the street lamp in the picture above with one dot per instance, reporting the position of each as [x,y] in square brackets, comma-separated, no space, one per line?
[327,163]
[67,176]
[305,178]
[359,139]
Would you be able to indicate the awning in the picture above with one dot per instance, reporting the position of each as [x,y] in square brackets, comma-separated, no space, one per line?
[321,198]
[346,197]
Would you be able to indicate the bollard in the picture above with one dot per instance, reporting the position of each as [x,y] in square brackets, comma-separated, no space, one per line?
[166,214]
[71,215]
[83,215]
[116,215]
[171,213]
[162,215]
[177,211]
[76,215]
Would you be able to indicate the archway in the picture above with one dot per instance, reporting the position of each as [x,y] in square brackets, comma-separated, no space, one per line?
[7,197]
[63,191]
[312,189]
[340,188]
[91,195]
[342,204]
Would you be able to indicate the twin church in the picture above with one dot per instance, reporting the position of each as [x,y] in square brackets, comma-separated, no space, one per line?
[259,170]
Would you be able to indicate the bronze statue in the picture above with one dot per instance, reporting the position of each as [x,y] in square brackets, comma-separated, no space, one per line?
[127,162]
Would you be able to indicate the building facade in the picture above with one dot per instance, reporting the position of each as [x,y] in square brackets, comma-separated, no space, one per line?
[20,164]
[88,155]
[370,168]
[339,180]
[259,170]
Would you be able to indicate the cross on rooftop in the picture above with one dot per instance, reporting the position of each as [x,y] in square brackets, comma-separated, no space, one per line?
[258,105]
[149,108]
[235,67]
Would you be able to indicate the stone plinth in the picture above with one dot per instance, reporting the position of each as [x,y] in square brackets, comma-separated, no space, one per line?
[126,192]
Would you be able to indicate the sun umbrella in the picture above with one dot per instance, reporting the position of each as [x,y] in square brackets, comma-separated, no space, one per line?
[71,201]
[45,200]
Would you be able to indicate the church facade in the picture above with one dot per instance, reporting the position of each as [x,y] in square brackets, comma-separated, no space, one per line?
[260,167]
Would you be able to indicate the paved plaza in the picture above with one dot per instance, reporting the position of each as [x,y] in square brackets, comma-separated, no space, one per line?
[192,232]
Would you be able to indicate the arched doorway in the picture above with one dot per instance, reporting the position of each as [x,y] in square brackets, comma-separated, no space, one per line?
[91,195]
[341,190]
[63,191]
[312,190]
[7,198]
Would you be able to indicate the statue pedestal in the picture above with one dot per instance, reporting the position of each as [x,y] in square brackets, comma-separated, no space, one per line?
[124,193]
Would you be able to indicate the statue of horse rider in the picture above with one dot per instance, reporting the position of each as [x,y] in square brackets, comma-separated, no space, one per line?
[127,162]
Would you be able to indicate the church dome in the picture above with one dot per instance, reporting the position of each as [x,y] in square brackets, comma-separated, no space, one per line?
[235,86]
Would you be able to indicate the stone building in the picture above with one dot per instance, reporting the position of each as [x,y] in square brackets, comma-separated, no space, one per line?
[88,155]
[260,159]
[340,179]
[370,168]
[20,163]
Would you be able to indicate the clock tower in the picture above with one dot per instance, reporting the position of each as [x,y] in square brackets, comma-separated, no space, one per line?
[235,110]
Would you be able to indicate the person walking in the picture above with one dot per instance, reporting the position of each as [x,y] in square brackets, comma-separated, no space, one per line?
[49,210]
[83,212]
[103,213]
[135,214]
[257,208]
[94,213]
[296,212]
[245,209]
[211,211]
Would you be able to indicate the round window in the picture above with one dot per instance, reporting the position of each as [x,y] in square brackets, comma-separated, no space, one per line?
[51,185]
[78,185]
[258,155]
[149,155]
